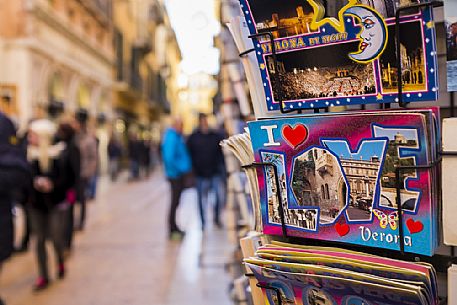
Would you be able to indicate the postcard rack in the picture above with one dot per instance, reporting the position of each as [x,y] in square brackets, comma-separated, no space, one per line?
[400,101]
[440,262]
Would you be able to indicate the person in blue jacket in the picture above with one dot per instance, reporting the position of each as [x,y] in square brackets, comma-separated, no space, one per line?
[177,164]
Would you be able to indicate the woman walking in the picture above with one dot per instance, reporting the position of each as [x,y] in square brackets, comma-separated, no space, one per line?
[53,176]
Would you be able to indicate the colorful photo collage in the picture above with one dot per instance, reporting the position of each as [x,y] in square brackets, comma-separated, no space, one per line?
[291,274]
[337,177]
[338,53]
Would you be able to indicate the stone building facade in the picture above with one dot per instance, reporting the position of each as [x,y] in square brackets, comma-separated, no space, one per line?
[362,177]
[56,51]
[318,182]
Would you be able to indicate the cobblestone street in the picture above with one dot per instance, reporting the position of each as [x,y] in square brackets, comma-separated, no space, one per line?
[124,256]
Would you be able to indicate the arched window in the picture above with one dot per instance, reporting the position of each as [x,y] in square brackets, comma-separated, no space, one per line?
[327,192]
[83,97]
[56,87]
[323,192]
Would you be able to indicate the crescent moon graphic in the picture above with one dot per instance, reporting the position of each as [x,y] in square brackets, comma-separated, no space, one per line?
[373,35]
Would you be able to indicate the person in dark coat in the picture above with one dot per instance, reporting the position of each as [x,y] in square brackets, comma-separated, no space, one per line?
[207,163]
[135,150]
[21,197]
[53,177]
[114,156]
[87,145]
[14,172]
[145,156]
[66,134]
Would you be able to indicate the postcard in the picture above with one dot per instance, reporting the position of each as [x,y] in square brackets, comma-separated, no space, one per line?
[373,260]
[343,272]
[354,261]
[337,177]
[341,53]
[295,287]
[297,274]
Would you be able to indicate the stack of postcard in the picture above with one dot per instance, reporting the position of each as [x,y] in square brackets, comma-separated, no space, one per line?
[240,146]
[336,177]
[317,276]
[316,54]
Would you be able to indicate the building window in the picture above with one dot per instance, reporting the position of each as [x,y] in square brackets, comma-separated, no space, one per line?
[327,192]
[71,13]
[119,49]
[100,37]
[86,27]
[322,192]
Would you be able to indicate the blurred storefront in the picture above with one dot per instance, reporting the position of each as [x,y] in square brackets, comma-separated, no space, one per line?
[196,96]
[56,51]
[60,53]
[118,60]
[146,68]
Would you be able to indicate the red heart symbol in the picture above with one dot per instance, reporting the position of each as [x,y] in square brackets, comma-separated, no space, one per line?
[342,229]
[295,136]
[414,226]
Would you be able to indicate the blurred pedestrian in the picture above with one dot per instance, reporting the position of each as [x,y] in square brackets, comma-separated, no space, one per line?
[155,154]
[135,152]
[114,156]
[21,197]
[53,177]
[14,172]
[66,134]
[177,165]
[91,190]
[207,159]
[146,157]
[87,145]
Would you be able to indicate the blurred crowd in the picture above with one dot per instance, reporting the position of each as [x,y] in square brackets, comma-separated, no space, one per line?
[197,162]
[51,172]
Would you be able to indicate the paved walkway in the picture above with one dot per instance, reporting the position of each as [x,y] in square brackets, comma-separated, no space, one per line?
[123,257]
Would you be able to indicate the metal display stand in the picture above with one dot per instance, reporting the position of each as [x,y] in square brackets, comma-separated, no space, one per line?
[440,262]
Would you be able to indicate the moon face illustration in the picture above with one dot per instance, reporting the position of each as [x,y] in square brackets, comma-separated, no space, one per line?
[373,35]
